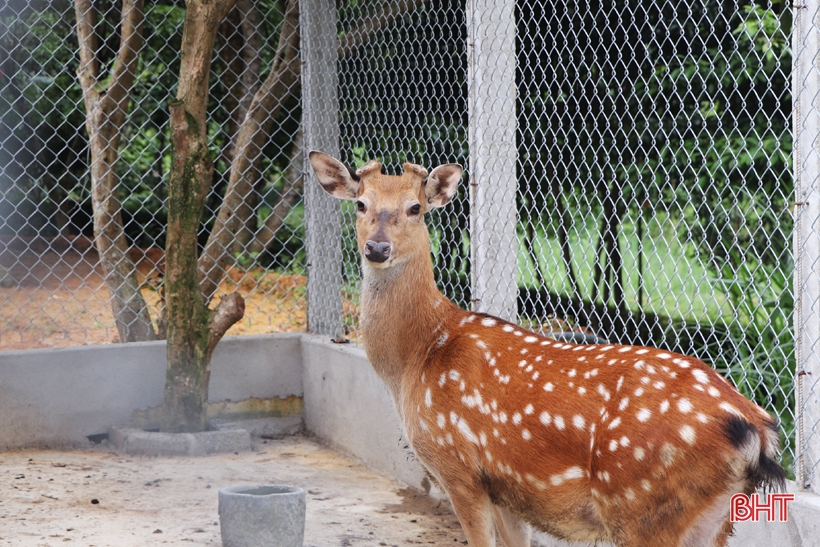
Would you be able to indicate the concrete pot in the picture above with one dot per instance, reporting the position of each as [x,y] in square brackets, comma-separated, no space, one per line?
[271,515]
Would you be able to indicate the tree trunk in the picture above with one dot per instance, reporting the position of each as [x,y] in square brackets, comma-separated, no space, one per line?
[105,114]
[193,329]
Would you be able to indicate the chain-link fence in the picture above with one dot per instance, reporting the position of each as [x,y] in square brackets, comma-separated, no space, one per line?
[630,172]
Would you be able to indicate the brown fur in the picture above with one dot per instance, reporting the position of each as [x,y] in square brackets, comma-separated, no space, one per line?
[520,429]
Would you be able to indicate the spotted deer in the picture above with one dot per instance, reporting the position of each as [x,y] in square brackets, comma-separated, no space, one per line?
[633,445]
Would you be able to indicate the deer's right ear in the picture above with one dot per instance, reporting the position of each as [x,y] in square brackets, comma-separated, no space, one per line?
[334,176]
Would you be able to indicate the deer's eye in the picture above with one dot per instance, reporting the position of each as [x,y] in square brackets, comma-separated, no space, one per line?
[360,206]
[415,209]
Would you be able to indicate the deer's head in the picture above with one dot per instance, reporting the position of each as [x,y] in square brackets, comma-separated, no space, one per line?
[389,224]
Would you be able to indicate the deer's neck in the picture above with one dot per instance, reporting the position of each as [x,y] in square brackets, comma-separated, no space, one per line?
[401,318]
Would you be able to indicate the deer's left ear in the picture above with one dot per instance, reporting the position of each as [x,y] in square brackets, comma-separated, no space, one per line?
[442,184]
[335,177]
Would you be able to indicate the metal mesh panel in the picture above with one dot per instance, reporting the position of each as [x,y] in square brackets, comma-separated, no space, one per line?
[53,283]
[654,172]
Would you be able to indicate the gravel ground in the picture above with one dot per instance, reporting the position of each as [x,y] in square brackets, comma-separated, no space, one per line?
[97,498]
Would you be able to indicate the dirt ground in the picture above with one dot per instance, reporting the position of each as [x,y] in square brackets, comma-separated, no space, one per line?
[97,498]
[53,294]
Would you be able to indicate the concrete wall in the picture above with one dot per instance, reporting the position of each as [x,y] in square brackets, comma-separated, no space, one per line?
[58,397]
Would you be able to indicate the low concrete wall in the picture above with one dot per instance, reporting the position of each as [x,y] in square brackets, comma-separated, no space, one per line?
[348,405]
[58,397]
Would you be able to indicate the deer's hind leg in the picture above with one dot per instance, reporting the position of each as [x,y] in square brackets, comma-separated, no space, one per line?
[514,532]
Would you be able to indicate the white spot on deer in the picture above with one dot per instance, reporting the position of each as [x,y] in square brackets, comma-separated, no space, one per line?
[482,344]
[538,358]
[528,369]
[582,359]
[650,369]
[625,349]
[663,356]
[611,362]
[644,414]
[664,407]
[504,379]
[619,384]
[624,441]
[645,380]
[578,348]
[684,405]
[442,379]
[495,433]
[713,391]
[699,387]
[681,363]
[605,476]
[614,423]
[700,376]
[449,438]
[629,494]
[659,385]
[488,322]
[578,421]
[468,319]
[545,418]
[516,418]
[624,402]
[526,434]
[639,453]
[441,420]
[454,375]
[549,386]
[528,409]
[639,392]
[423,425]
[582,390]
[496,372]
[559,422]
[535,376]
[465,430]
[604,392]
[572,373]
[642,351]
[574,472]
[687,434]
[423,377]
[473,335]
[531,339]
[482,438]
[702,418]
[502,417]
[522,363]
[639,364]
[730,409]
[541,485]
[606,348]
[428,398]
[488,456]
[462,386]
[508,328]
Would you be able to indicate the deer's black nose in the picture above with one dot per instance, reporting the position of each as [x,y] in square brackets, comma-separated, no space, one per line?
[376,251]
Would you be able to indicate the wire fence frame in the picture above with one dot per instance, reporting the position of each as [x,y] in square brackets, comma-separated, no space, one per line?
[597,142]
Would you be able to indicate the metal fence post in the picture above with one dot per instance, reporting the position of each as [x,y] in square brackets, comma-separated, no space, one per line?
[320,116]
[492,134]
[806,93]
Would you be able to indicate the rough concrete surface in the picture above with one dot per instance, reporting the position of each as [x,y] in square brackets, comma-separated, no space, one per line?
[47,498]
[136,442]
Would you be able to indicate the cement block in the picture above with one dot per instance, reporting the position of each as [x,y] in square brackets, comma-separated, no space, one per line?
[149,443]
[271,515]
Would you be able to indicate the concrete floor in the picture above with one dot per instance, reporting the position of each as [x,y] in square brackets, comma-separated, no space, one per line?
[97,498]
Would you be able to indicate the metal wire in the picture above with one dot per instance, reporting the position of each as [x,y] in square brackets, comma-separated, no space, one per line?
[654,175]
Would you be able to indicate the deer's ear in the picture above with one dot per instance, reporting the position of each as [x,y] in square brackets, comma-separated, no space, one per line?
[442,184]
[334,176]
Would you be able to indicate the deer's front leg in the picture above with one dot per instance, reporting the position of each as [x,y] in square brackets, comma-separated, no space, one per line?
[475,512]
